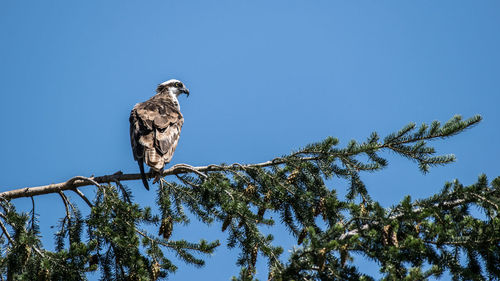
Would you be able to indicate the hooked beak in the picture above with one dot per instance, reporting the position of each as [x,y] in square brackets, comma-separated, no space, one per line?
[185,91]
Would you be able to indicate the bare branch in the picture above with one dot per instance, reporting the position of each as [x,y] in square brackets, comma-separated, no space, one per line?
[77,191]
[85,179]
[190,168]
[119,176]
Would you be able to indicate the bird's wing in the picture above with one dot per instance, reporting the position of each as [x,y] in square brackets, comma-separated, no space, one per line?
[155,127]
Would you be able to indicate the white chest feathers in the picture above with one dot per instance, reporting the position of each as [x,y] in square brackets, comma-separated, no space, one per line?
[174,98]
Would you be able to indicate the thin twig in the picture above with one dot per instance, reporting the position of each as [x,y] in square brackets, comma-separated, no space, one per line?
[124,192]
[465,242]
[65,201]
[77,191]
[485,199]
[38,251]
[33,213]
[4,229]
[185,181]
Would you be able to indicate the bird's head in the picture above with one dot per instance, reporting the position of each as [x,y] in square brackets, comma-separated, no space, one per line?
[173,86]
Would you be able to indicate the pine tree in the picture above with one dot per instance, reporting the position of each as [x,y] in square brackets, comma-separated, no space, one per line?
[413,240]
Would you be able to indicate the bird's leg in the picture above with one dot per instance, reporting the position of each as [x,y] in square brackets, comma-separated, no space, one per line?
[156,175]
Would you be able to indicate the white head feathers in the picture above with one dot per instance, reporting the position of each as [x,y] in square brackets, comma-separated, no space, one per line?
[171,81]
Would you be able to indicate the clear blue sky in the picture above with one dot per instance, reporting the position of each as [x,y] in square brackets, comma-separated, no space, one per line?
[266,77]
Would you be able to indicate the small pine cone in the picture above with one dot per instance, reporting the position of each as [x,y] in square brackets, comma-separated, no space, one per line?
[302,235]
[253,257]
[270,275]
[226,222]
[321,259]
[93,260]
[322,203]
[316,211]
[344,255]
[242,222]
[260,213]
[293,175]
[394,239]
[268,195]
[250,190]
[321,209]
[385,234]
[155,270]
[166,227]
[43,275]
[323,215]
[363,209]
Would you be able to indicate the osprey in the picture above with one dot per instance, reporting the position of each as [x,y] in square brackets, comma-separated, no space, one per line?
[155,127]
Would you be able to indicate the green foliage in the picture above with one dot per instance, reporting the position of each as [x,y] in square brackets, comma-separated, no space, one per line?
[115,244]
[413,240]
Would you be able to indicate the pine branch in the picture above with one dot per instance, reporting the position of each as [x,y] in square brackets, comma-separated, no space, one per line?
[416,210]
[119,176]
[395,142]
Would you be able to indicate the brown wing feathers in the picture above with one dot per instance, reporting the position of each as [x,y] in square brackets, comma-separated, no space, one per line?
[155,127]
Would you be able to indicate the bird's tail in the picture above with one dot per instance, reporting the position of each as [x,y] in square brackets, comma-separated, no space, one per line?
[143,175]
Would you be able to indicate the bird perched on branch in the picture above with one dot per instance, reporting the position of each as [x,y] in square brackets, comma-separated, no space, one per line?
[155,127]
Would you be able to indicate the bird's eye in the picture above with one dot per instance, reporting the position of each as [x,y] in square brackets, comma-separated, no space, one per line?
[178,84]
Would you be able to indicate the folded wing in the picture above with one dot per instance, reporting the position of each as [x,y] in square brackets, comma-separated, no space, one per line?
[155,127]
